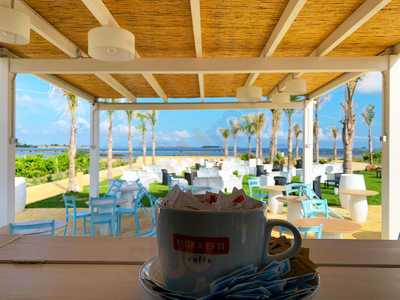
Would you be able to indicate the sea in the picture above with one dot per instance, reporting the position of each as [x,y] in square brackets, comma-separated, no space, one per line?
[170,151]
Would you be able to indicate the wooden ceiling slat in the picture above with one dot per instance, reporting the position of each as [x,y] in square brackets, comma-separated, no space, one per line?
[137,85]
[179,86]
[381,32]
[92,85]
[315,22]
[238,28]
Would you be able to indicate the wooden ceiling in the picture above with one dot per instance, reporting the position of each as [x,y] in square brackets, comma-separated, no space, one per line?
[230,28]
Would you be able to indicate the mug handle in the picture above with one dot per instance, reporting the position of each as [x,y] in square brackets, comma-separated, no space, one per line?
[294,248]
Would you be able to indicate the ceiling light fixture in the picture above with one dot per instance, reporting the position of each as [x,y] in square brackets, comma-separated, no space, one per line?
[109,43]
[249,93]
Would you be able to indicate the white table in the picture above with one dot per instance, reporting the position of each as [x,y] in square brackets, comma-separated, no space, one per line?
[274,191]
[294,206]
[358,204]
[331,228]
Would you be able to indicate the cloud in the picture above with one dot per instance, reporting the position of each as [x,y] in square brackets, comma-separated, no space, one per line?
[83,123]
[371,83]
[182,134]
[24,99]
[175,136]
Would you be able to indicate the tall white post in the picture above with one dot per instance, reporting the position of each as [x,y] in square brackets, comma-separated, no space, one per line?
[308,120]
[391,150]
[94,150]
[7,143]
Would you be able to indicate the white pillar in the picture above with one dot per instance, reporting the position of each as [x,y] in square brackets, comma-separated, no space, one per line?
[308,120]
[94,150]
[391,150]
[7,143]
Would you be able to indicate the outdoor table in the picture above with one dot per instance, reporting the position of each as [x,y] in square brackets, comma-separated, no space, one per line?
[41,267]
[358,204]
[332,228]
[294,206]
[275,206]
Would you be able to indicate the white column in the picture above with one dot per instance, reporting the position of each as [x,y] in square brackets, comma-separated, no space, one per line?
[391,150]
[94,150]
[308,120]
[7,143]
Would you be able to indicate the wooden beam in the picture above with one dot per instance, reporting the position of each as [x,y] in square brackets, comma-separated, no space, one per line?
[201,65]
[55,80]
[364,13]
[51,34]
[290,13]
[196,24]
[197,105]
[104,16]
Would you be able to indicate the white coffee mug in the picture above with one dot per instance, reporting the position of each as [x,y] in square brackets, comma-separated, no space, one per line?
[196,247]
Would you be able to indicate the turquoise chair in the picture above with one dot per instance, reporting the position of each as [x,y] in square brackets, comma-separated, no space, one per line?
[70,205]
[33,228]
[314,230]
[295,189]
[254,189]
[114,189]
[309,192]
[315,207]
[103,212]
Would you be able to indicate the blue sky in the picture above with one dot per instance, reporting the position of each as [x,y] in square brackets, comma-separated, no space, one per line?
[42,118]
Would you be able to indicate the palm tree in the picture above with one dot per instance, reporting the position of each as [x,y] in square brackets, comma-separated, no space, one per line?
[289,114]
[259,123]
[109,145]
[334,132]
[276,119]
[225,134]
[129,117]
[142,129]
[152,117]
[72,107]
[249,129]
[348,123]
[235,130]
[297,133]
[368,116]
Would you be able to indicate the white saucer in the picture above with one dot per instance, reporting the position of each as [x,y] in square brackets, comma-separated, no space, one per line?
[150,271]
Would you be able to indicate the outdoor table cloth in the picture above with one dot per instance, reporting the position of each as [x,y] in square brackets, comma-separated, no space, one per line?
[107,268]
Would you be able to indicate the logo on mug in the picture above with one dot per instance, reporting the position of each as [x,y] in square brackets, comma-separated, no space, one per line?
[201,245]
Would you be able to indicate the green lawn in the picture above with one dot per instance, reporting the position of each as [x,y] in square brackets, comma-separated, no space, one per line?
[160,190]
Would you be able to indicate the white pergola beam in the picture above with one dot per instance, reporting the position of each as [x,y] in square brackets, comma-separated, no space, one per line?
[391,150]
[7,143]
[200,65]
[55,80]
[290,13]
[196,24]
[364,13]
[197,106]
[51,34]
[104,16]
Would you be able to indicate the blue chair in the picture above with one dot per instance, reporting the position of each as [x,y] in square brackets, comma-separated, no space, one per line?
[70,204]
[315,207]
[310,193]
[103,212]
[152,230]
[114,189]
[315,230]
[295,188]
[33,228]
[254,189]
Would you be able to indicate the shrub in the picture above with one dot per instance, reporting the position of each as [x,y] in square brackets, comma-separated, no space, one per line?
[245,156]
[377,157]
[323,161]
